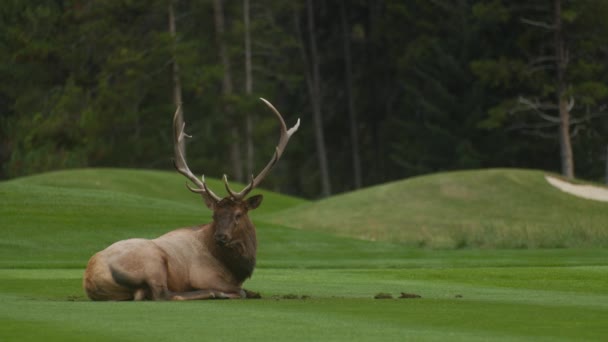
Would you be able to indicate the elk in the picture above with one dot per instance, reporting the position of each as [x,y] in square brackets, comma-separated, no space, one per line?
[203,262]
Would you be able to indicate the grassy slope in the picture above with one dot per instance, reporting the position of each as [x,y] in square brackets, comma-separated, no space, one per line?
[58,220]
[62,217]
[489,208]
[460,304]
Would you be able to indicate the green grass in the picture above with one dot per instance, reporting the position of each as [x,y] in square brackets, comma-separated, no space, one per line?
[500,208]
[44,217]
[52,223]
[512,303]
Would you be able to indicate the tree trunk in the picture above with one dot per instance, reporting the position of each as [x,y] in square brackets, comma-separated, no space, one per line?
[567,160]
[374,81]
[227,90]
[248,89]
[315,98]
[352,115]
[177,84]
[606,179]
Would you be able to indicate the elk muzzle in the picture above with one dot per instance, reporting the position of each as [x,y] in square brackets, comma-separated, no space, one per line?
[221,239]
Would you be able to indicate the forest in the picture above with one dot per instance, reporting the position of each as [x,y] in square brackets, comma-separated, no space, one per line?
[384,89]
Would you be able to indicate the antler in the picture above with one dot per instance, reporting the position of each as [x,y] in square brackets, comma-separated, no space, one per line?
[182,166]
[283,140]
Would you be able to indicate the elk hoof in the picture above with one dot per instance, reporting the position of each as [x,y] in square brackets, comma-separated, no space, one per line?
[220,295]
[250,294]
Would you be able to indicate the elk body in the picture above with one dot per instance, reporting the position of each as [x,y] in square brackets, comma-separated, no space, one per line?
[208,261]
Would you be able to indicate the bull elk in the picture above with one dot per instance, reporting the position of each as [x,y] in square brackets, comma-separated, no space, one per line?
[203,262]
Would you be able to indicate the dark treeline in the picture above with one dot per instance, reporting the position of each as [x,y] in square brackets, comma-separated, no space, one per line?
[385,89]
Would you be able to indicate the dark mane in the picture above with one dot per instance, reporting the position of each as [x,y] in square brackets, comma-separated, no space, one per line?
[239,258]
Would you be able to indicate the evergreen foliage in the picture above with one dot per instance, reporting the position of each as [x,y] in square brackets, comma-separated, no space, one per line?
[436,85]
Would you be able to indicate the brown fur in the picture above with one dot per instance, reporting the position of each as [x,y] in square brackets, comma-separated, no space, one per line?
[208,261]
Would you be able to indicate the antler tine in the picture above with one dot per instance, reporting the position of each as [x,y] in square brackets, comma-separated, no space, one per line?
[230,192]
[283,140]
[285,133]
[181,164]
[242,193]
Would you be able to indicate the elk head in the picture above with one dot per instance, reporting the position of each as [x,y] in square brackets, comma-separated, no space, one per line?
[232,224]
[230,213]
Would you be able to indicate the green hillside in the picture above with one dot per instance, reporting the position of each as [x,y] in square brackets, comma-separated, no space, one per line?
[502,208]
[143,183]
[315,285]
[61,218]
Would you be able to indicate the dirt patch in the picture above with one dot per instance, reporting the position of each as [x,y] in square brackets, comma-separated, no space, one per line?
[404,295]
[596,193]
[291,296]
[409,295]
[383,295]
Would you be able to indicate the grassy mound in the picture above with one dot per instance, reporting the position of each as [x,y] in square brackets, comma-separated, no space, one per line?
[143,183]
[61,218]
[500,208]
[315,285]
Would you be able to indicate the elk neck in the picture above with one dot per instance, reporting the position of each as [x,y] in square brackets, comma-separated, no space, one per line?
[239,256]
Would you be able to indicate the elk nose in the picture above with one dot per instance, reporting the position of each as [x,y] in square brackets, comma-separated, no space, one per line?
[221,239]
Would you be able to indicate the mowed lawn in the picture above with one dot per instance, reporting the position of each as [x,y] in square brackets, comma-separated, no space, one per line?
[315,285]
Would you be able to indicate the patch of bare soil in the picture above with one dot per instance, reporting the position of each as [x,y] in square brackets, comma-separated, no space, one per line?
[409,295]
[291,296]
[403,295]
[596,193]
[383,295]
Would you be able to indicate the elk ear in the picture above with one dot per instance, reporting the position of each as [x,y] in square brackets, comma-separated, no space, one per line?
[254,201]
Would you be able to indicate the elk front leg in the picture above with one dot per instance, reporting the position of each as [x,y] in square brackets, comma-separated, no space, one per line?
[206,294]
[250,294]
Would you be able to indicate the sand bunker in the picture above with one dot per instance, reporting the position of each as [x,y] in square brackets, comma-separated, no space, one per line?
[591,192]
